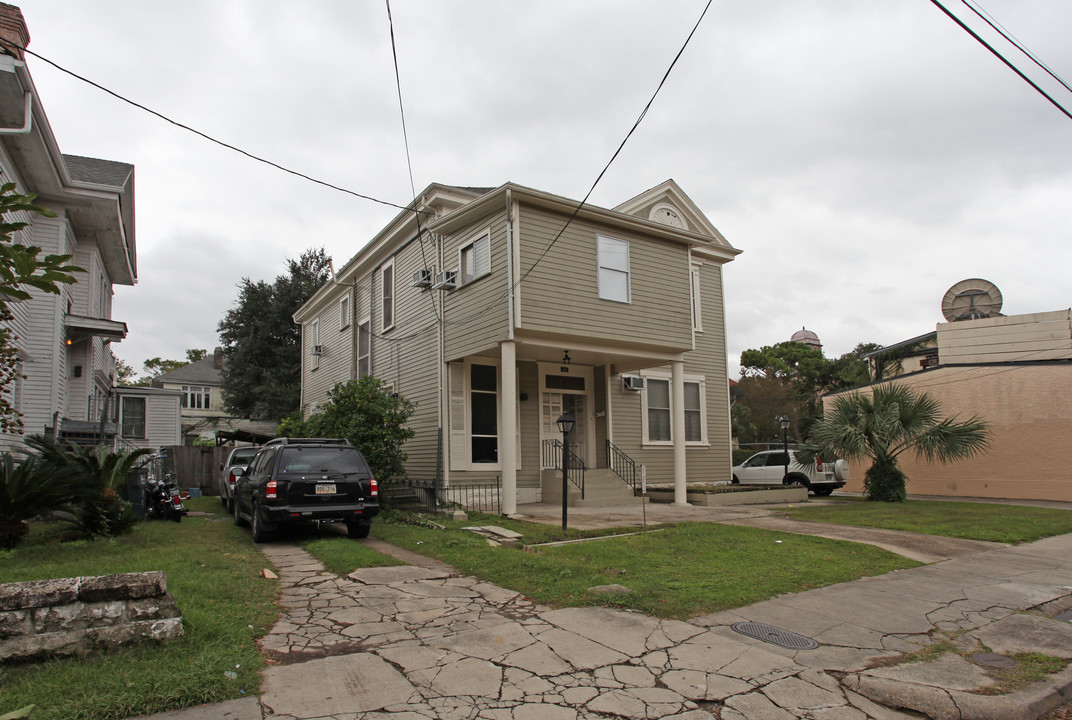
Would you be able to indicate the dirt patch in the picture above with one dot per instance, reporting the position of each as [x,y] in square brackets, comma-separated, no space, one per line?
[273,657]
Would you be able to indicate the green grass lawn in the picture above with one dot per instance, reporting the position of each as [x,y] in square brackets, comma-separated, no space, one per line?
[974,521]
[213,572]
[677,571]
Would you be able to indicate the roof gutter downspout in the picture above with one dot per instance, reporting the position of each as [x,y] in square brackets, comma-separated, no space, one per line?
[510,263]
[26,126]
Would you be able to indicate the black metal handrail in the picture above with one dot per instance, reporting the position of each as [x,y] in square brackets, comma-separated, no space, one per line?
[575,467]
[623,466]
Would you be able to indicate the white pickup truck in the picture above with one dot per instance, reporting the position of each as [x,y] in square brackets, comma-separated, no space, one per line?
[768,468]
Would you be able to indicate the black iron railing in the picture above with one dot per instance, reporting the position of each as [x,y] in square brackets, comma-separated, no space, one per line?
[575,467]
[429,496]
[623,466]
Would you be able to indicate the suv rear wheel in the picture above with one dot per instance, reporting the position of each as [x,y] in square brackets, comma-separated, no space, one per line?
[258,530]
[238,519]
[359,528]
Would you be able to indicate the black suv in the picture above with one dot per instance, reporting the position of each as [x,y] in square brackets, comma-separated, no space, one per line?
[295,480]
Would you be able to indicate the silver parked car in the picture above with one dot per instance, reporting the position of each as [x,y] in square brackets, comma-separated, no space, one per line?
[239,457]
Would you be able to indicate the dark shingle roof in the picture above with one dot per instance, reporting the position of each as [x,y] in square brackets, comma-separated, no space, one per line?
[100,172]
[202,372]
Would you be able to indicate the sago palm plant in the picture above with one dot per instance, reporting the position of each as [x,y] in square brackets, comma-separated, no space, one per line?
[29,488]
[891,420]
[101,512]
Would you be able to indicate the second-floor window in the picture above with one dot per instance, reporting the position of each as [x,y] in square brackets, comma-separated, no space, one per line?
[476,259]
[134,417]
[387,278]
[613,269]
[197,397]
[344,313]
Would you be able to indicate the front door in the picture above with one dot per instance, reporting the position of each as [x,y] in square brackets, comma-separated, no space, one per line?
[566,392]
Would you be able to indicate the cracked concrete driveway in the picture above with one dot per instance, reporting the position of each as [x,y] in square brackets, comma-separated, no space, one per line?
[425,642]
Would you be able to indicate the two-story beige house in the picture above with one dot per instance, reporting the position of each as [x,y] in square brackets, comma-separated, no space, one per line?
[496,310]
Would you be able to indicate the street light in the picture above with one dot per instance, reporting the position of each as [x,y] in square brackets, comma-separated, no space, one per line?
[565,424]
[784,422]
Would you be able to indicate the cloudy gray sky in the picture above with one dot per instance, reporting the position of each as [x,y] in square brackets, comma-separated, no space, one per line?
[865,156]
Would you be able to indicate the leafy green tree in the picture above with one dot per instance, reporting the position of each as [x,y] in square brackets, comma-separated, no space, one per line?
[22,268]
[124,373]
[262,345]
[373,420]
[787,379]
[891,420]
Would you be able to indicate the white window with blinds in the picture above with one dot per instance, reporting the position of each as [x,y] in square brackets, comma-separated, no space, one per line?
[387,295]
[613,269]
[657,409]
[475,260]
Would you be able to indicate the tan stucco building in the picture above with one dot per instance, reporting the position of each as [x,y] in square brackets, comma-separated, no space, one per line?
[1015,372]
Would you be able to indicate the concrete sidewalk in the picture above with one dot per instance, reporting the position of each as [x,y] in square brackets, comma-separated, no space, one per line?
[422,641]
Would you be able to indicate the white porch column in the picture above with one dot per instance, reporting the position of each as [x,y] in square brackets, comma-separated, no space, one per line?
[677,429]
[508,427]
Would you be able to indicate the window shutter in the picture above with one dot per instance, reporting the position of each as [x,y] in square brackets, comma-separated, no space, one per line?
[482,256]
[458,439]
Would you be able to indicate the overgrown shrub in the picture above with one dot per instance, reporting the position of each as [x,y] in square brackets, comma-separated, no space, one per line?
[29,488]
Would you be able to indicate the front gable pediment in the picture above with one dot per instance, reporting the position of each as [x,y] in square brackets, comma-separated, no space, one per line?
[668,204]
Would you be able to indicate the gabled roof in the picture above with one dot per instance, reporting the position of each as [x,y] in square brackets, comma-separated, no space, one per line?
[99,172]
[202,372]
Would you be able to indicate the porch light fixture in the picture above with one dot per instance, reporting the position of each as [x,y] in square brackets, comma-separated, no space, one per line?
[565,361]
[565,424]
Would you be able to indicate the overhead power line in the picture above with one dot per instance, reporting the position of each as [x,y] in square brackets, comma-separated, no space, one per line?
[992,22]
[1001,57]
[201,134]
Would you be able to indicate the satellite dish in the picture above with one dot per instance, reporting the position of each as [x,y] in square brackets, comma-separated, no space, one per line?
[971,299]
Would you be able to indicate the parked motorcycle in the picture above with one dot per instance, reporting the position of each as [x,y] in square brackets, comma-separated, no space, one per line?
[162,499]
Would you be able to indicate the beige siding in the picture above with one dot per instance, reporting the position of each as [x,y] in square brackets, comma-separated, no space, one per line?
[406,356]
[476,314]
[1040,336]
[658,313]
[336,359]
[710,462]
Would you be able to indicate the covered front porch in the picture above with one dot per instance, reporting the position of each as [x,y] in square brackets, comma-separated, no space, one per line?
[521,387]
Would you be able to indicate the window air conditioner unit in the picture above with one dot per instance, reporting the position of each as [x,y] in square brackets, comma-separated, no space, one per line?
[633,382]
[318,350]
[446,280]
[422,279]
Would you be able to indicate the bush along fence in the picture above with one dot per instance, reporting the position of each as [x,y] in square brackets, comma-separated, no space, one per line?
[433,497]
[75,616]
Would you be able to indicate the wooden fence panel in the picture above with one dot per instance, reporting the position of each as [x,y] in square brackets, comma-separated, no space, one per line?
[197,467]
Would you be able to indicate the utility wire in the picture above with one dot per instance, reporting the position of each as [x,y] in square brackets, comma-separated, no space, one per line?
[1001,57]
[576,211]
[211,139]
[992,22]
[614,157]
[409,159]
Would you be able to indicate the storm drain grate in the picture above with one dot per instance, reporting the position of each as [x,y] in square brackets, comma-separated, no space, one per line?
[775,636]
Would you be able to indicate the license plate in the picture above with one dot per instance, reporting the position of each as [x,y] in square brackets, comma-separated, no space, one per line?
[325,488]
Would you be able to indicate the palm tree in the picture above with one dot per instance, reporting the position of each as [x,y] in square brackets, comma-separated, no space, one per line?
[891,420]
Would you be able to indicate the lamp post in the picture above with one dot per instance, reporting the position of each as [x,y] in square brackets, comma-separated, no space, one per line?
[784,422]
[565,424]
